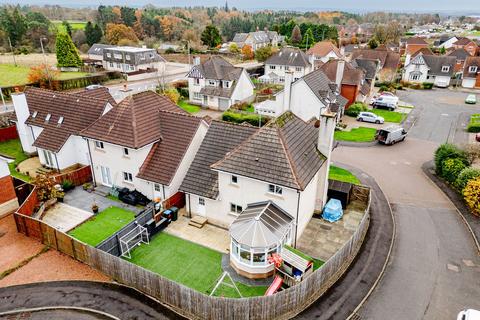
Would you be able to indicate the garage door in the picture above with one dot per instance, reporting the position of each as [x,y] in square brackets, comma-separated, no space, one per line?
[477,83]
[223,104]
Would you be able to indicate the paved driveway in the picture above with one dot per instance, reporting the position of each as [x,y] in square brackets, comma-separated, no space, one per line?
[434,270]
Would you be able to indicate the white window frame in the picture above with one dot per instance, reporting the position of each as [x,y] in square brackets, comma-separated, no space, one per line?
[275,189]
[212,83]
[272,67]
[111,65]
[472,69]
[197,96]
[127,177]
[196,81]
[445,68]
[233,179]
[298,69]
[201,201]
[235,209]
[126,152]
[99,145]
[156,187]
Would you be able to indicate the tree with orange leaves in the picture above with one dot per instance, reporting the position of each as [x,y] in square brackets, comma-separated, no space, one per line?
[43,75]
[116,32]
[247,52]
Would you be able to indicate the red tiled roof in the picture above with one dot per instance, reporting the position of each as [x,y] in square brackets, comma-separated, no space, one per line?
[351,75]
[322,48]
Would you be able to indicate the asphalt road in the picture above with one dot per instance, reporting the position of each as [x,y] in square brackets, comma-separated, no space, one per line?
[441,115]
[118,301]
[434,270]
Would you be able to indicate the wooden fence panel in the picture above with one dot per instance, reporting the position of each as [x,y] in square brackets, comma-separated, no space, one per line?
[80,251]
[34,229]
[49,237]
[77,177]
[64,243]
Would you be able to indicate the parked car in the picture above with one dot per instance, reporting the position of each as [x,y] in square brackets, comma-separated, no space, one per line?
[386,101]
[468,314]
[391,135]
[370,117]
[471,99]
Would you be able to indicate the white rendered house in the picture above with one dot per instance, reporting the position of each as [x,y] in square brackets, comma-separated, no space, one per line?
[429,68]
[217,84]
[288,59]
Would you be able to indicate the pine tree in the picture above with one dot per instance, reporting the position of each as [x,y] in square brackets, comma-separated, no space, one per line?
[67,54]
[68,27]
[296,37]
[211,36]
[93,33]
[308,38]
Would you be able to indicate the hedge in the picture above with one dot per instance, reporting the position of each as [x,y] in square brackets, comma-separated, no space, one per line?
[448,151]
[355,109]
[236,117]
[451,169]
[474,124]
[466,175]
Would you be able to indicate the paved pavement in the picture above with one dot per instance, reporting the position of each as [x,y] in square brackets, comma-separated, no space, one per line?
[116,300]
[434,270]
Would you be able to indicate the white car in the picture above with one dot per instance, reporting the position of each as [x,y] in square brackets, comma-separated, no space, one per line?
[370,117]
[469,314]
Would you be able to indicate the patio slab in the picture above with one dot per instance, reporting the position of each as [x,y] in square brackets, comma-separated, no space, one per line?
[64,217]
[209,236]
[321,239]
[30,166]
[82,199]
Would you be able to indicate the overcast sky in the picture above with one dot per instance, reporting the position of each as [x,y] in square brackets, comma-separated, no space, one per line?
[446,6]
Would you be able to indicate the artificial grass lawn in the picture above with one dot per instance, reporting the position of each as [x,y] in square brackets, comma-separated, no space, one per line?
[13,149]
[102,226]
[188,263]
[11,75]
[361,134]
[190,108]
[340,174]
[389,116]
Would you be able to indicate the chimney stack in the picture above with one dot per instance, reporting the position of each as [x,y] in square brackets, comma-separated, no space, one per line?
[287,90]
[196,61]
[339,74]
[23,112]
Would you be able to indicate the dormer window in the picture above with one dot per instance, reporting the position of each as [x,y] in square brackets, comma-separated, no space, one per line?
[211,82]
[226,84]
[34,114]
[445,68]
[47,118]
[472,69]
[60,120]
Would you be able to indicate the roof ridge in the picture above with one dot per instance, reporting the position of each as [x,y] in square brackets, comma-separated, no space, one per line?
[64,93]
[134,121]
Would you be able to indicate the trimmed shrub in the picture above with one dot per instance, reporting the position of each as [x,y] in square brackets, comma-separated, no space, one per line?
[465,176]
[474,124]
[446,151]
[427,85]
[355,109]
[183,92]
[451,169]
[471,194]
[67,185]
[235,117]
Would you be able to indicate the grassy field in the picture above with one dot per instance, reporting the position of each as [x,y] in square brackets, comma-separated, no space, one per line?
[361,134]
[390,116]
[190,108]
[102,226]
[13,149]
[340,174]
[187,263]
[11,75]
[76,25]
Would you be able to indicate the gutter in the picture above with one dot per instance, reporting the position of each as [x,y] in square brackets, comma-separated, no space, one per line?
[296,219]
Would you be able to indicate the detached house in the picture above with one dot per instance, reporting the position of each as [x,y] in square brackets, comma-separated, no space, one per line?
[50,122]
[322,52]
[414,44]
[132,59]
[281,167]
[460,55]
[388,60]
[287,59]
[465,43]
[433,69]
[258,39]
[217,84]
[471,73]
[146,143]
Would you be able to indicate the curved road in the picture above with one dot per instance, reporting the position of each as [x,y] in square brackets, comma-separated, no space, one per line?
[434,271]
[119,301]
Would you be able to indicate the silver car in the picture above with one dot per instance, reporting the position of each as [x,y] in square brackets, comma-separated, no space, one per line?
[370,117]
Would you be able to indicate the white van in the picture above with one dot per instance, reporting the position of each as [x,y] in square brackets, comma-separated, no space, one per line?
[386,101]
[391,135]
[469,314]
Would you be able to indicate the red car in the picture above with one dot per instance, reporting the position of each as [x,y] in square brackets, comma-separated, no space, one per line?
[477,137]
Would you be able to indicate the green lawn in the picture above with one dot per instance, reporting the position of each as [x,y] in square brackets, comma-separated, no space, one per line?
[187,263]
[340,174]
[13,149]
[76,25]
[389,116]
[361,134]
[11,75]
[102,226]
[190,108]
[250,109]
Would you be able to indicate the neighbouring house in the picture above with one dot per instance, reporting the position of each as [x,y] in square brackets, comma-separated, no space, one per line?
[352,78]
[432,69]
[471,73]
[132,59]
[8,197]
[322,52]
[50,122]
[218,84]
[95,53]
[240,170]
[347,50]
[460,55]
[306,97]
[388,60]
[465,43]
[424,51]
[286,59]
[258,39]
[445,42]
[146,143]
[414,44]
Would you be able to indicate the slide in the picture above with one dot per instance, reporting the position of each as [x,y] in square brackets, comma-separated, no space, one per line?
[276,284]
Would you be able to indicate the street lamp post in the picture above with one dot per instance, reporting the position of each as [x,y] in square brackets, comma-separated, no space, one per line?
[45,61]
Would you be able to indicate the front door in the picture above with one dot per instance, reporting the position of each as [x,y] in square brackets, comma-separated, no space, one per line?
[201,206]
[106,177]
